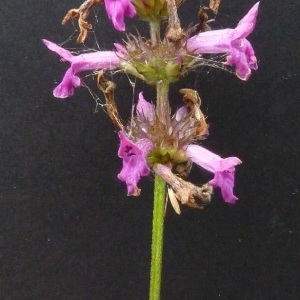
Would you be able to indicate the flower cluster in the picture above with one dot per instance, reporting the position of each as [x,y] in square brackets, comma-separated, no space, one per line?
[155,139]
[232,42]
[133,153]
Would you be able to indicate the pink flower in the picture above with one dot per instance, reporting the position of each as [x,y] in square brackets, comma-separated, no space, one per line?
[230,41]
[134,162]
[117,9]
[223,169]
[82,62]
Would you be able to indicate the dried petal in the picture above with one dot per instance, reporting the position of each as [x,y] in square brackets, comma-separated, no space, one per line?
[174,201]
[185,192]
[82,13]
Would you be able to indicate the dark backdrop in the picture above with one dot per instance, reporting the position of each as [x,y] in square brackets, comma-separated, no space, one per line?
[67,228]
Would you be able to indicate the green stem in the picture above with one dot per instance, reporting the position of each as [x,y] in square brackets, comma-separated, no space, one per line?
[157,238]
[163,113]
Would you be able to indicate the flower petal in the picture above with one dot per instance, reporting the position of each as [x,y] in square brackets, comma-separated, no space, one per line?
[145,109]
[134,164]
[225,181]
[231,41]
[145,145]
[63,53]
[66,88]
[210,42]
[121,50]
[82,62]
[242,56]
[209,160]
[247,24]
[223,169]
[117,9]
[181,113]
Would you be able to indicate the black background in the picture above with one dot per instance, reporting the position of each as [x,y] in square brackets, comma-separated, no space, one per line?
[67,228]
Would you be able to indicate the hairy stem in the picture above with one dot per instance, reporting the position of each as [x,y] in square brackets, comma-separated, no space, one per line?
[163,110]
[157,238]
[154,32]
[163,113]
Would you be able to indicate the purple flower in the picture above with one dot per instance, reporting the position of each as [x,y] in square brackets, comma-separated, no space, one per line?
[223,169]
[117,9]
[134,162]
[82,62]
[230,41]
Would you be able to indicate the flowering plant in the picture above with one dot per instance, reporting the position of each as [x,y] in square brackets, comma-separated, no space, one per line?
[154,139]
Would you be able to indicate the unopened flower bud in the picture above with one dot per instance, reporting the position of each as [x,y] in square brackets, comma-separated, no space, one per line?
[152,10]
